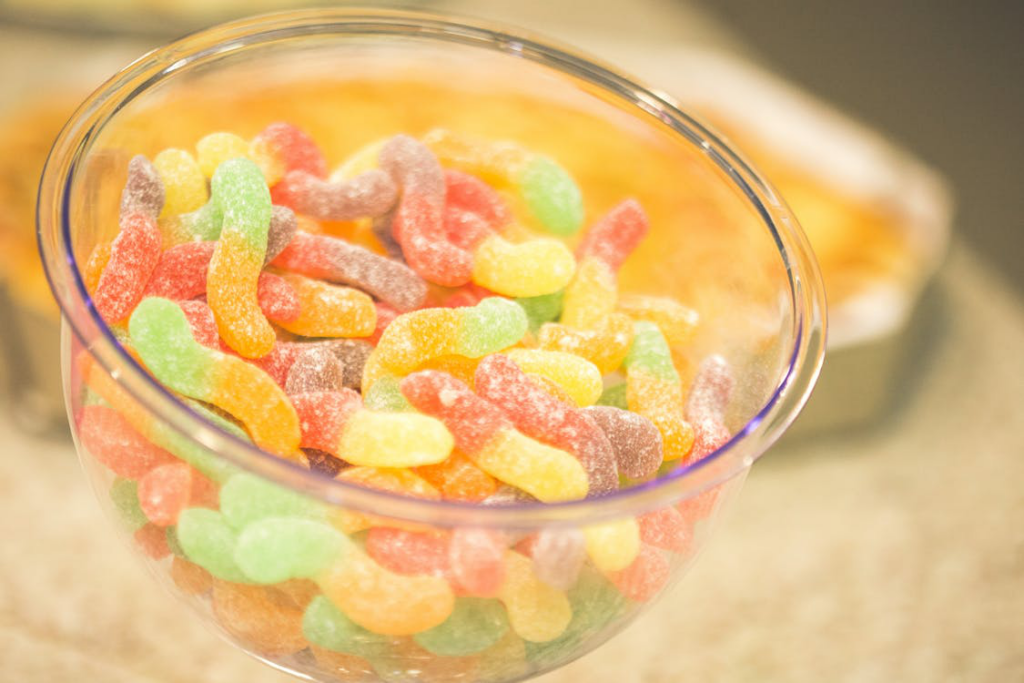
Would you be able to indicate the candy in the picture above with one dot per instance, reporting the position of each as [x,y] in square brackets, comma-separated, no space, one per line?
[409,552]
[476,558]
[144,191]
[231,287]
[591,296]
[385,396]
[654,390]
[246,499]
[414,338]
[333,259]
[190,578]
[209,542]
[325,625]
[549,192]
[342,666]
[541,416]
[536,611]
[352,353]
[526,269]
[542,309]
[408,663]
[474,625]
[328,310]
[710,390]
[612,546]
[277,299]
[94,266]
[614,396]
[183,181]
[385,602]
[606,348]
[134,254]
[108,436]
[577,376]
[259,618]
[214,149]
[124,495]
[418,223]
[676,322]
[277,549]
[153,541]
[457,478]
[665,529]
[166,490]
[558,556]
[162,337]
[323,463]
[282,230]
[317,368]
[282,147]
[202,323]
[645,577]
[486,436]
[369,194]
[595,604]
[634,439]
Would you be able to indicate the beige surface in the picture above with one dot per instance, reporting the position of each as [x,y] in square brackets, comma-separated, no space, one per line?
[892,554]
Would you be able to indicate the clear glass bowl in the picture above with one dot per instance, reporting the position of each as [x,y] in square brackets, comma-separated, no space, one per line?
[722,241]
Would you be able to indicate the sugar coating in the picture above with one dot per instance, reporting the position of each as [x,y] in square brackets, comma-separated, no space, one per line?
[277,298]
[181,272]
[333,259]
[666,529]
[409,552]
[201,322]
[645,577]
[245,499]
[467,194]
[552,196]
[316,368]
[606,348]
[542,309]
[578,377]
[161,334]
[328,310]
[166,490]
[526,269]
[94,266]
[661,401]
[613,238]
[380,439]
[418,223]
[209,542]
[634,439]
[260,617]
[112,440]
[590,297]
[477,561]
[383,228]
[457,478]
[134,255]
[144,190]
[214,149]
[558,556]
[676,321]
[184,183]
[485,435]
[475,625]
[282,147]
[278,549]
[612,546]
[710,390]
[283,226]
[352,353]
[650,353]
[323,415]
[386,603]
[385,396]
[326,626]
[537,612]
[231,283]
[539,415]
[497,162]
[415,338]
[367,195]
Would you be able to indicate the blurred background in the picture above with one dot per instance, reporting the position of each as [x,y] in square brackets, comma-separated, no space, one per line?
[882,539]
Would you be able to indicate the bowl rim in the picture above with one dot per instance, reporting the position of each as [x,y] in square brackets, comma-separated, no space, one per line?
[806,289]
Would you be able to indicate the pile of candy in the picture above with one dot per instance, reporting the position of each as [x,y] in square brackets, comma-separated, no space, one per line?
[480,360]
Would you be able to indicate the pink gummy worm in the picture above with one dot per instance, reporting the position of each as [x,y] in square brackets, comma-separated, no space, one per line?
[471,419]
[540,415]
[613,238]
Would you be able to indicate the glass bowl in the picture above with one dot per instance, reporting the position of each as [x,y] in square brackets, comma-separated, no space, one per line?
[721,241]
